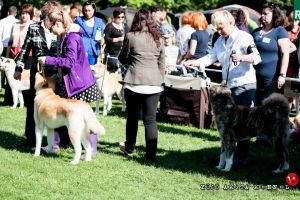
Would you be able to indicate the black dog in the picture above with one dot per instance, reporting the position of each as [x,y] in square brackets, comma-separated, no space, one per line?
[236,123]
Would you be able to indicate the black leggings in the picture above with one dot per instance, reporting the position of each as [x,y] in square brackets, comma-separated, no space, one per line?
[136,102]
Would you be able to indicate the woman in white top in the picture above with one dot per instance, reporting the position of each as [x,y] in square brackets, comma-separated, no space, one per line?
[237,53]
[19,32]
[184,33]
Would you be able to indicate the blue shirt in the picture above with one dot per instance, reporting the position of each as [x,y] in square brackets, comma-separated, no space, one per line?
[202,38]
[268,48]
[91,45]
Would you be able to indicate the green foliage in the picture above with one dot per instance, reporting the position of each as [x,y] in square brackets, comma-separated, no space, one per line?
[172,6]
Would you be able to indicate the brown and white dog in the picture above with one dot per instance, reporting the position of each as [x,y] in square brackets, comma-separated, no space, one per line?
[108,84]
[8,65]
[236,123]
[52,111]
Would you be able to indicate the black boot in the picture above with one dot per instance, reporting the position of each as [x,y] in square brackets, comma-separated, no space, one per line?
[151,149]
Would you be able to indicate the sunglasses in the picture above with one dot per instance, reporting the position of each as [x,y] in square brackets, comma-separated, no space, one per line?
[120,17]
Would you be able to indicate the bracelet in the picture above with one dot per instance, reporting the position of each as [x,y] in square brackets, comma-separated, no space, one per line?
[281,74]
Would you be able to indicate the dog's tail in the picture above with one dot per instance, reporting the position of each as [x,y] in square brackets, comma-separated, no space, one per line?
[279,102]
[92,122]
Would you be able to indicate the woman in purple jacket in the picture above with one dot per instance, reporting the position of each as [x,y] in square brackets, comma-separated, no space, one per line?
[75,78]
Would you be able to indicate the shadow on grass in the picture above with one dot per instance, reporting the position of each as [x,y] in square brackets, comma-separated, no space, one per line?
[116,109]
[13,142]
[199,133]
[261,162]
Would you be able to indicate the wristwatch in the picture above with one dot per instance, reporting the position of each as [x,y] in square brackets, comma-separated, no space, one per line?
[281,74]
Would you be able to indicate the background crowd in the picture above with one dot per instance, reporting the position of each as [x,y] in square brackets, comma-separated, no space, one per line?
[255,57]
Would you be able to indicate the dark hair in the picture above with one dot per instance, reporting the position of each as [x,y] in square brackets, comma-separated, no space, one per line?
[278,18]
[156,8]
[27,8]
[142,21]
[89,3]
[118,11]
[12,10]
[239,17]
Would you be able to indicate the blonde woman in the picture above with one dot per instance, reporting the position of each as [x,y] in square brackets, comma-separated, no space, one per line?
[237,53]
[77,78]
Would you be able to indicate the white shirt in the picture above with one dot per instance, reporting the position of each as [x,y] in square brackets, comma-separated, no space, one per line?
[240,74]
[171,53]
[144,89]
[6,25]
[183,37]
[49,36]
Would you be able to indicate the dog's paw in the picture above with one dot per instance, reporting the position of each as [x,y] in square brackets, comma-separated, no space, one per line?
[219,167]
[225,170]
[13,107]
[88,159]
[36,154]
[278,171]
[74,162]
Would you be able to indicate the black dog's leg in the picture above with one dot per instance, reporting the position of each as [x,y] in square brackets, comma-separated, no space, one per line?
[282,154]
[229,146]
[222,157]
[241,153]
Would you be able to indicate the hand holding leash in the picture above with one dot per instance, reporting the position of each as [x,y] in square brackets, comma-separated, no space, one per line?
[42,60]
[17,75]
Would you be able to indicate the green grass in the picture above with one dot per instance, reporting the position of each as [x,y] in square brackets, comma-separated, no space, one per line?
[184,164]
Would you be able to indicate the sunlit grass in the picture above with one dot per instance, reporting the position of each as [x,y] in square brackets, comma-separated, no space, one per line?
[184,163]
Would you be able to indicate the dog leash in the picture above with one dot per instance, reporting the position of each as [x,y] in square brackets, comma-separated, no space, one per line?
[40,69]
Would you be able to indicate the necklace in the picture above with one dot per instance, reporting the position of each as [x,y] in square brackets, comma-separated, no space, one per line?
[263,32]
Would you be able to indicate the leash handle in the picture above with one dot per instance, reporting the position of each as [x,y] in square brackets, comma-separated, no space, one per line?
[40,69]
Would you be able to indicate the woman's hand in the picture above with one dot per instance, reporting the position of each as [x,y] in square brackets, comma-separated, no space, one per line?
[17,75]
[280,82]
[190,63]
[42,59]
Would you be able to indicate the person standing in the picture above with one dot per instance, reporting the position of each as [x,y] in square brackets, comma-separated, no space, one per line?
[19,32]
[199,39]
[6,25]
[272,42]
[183,35]
[77,78]
[237,53]
[143,52]
[40,42]
[114,35]
[93,29]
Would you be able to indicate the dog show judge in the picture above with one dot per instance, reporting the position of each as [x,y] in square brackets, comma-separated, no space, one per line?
[236,51]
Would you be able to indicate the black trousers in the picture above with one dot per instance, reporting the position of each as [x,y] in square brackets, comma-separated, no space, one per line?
[136,102]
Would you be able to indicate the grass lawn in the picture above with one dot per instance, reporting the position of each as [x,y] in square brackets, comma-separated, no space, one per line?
[184,167]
